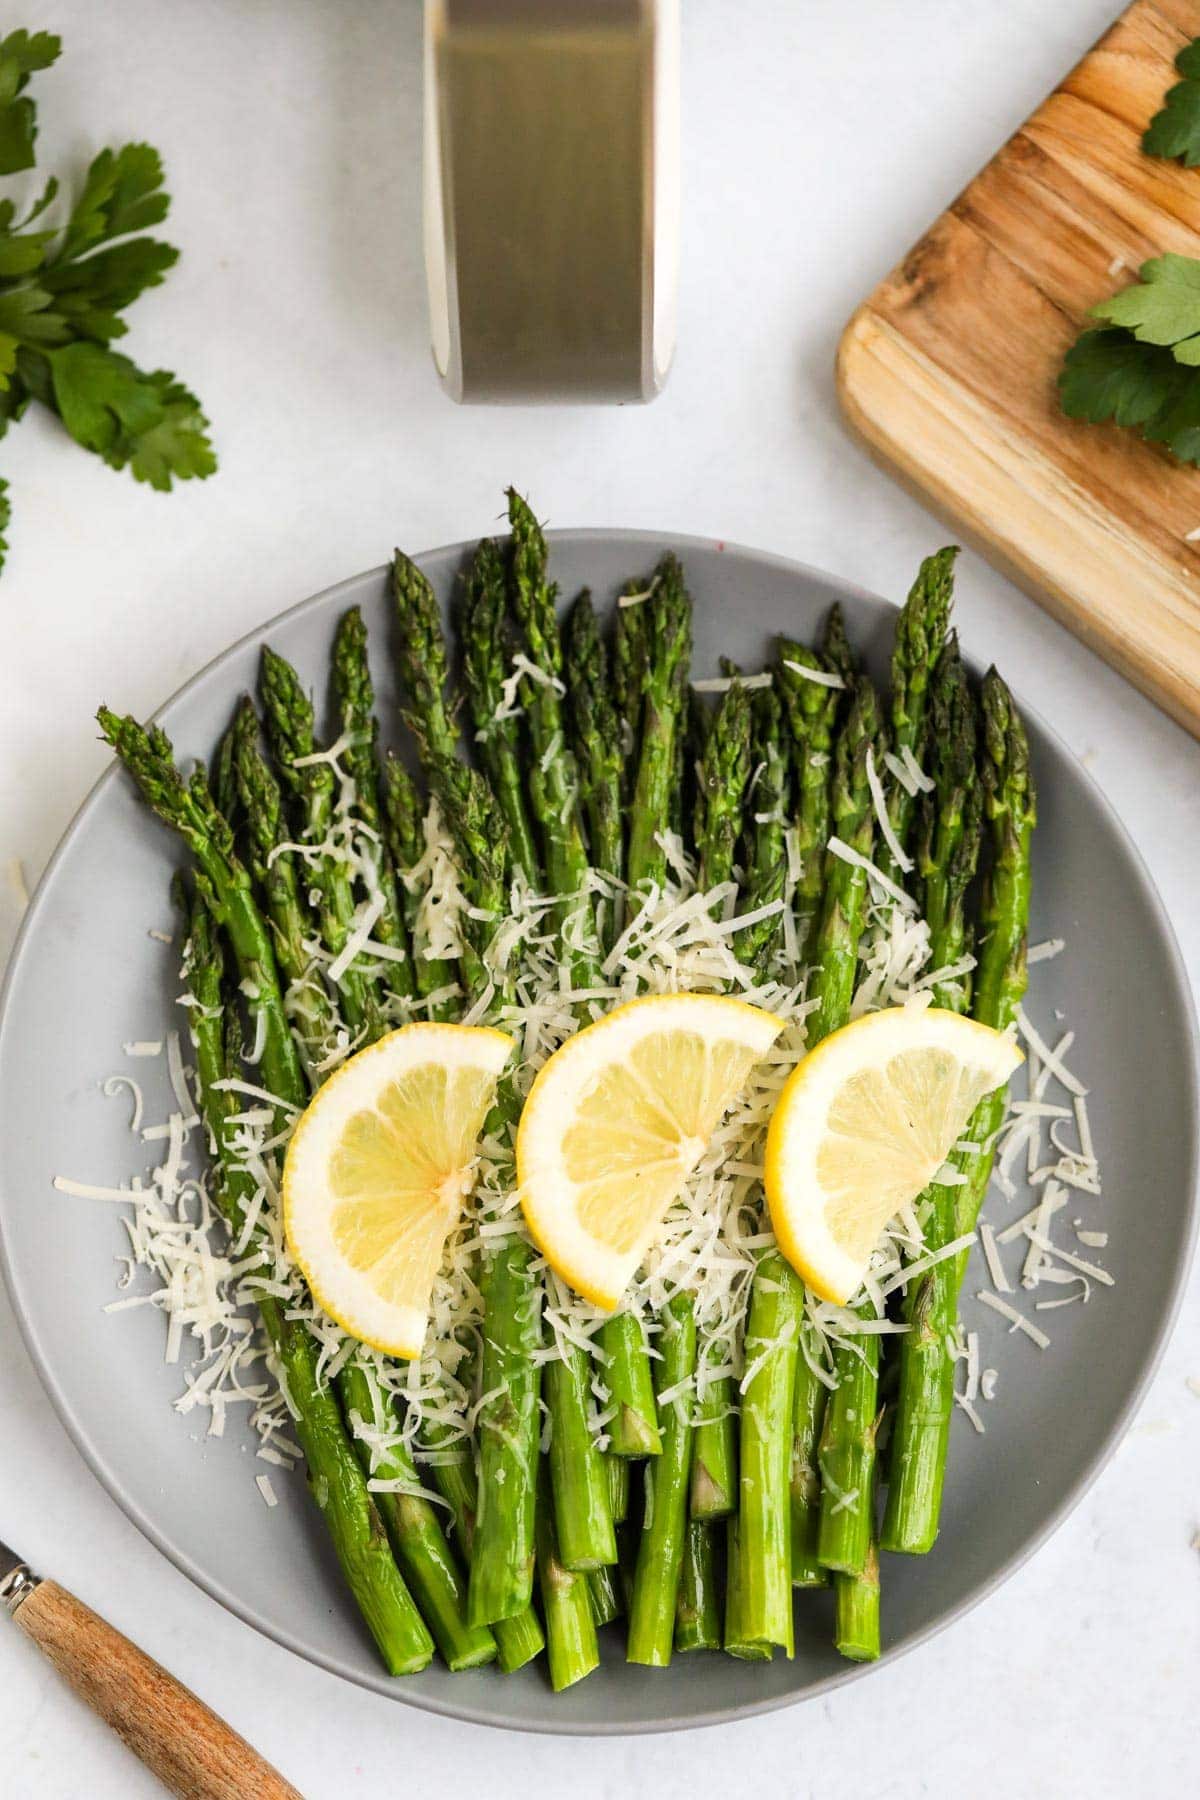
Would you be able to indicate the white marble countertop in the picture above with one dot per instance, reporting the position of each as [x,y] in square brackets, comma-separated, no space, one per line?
[818,142]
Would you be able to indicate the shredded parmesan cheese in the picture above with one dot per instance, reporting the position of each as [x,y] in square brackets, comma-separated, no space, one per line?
[896,849]
[1018,1320]
[368,917]
[885,882]
[987,1238]
[823,677]
[721,684]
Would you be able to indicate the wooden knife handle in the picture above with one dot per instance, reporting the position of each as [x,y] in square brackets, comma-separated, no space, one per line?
[192,1752]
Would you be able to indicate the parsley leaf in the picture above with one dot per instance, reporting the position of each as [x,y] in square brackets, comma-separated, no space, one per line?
[178,446]
[1109,375]
[1141,367]
[91,293]
[21,53]
[1175,131]
[64,287]
[1177,426]
[123,192]
[1163,308]
[14,401]
[149,423]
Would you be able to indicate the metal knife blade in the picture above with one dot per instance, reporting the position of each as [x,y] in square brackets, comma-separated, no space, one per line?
[9,1560]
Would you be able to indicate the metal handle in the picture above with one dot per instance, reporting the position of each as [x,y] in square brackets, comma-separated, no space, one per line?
[17,1585]
[552,196]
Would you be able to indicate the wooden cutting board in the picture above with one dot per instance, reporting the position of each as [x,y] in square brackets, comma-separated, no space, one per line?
[948,370]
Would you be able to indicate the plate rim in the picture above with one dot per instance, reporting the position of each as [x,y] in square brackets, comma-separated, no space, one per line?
[396,1688]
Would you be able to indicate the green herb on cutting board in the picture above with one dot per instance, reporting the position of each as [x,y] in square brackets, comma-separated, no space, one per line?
[1175,130]
[63,287]
[1141,367]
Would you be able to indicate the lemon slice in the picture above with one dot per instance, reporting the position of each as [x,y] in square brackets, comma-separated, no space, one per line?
[616,1121]
[864,1124]
[377,1170]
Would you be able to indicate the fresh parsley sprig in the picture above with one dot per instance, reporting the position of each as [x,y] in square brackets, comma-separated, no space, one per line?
[63,288]
[1141,366]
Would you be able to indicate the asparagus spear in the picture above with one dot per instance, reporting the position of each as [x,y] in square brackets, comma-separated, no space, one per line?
[698,1603]
[596,740]
[848,1437]
[664,1525]
[604,1592]
[665,636]
[335,1478]
[722,779]
[737,1641]
[188,808]
[502,1554]
[652,656]
[354,693]
[1010,807]
[583,1518]
[920,634]
[812,711]
[553,779]
[273,867]
[509,1435]
[629,659]
[765,859]
[808,1417]
[851,1425]
[844,901]
[412,1525]
[764,1573]
[484,631]
[618,1488]
[856,1610]
[571,1644]
[922,1428]
[951,826]
[583,1509]
[289,722]
[223,779]
[764,1537]
[402,828]
[836,648]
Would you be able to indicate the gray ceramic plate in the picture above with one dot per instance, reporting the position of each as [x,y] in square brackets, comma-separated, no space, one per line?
[86,976]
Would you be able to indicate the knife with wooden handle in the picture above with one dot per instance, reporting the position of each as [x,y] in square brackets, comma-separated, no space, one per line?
[193,1752]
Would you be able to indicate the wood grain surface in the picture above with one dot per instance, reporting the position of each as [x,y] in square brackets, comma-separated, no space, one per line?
[949,369]
[193,1752]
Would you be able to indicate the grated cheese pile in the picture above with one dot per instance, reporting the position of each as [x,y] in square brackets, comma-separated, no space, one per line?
[1045,1152]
